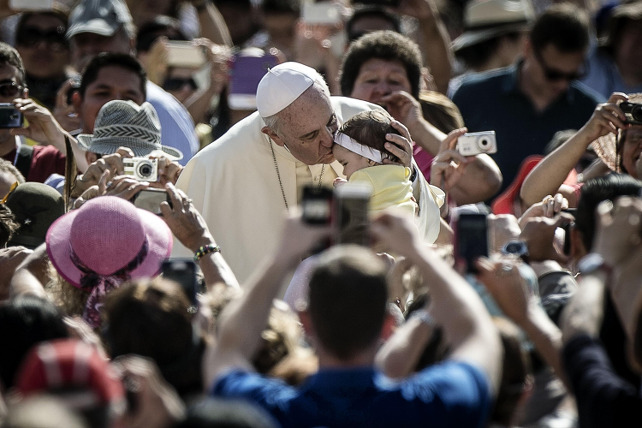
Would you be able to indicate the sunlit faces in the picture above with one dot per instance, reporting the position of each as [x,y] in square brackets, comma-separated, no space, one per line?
[631,151]
[180,83]
[553,70]
[307,127]
[42,46]
[112,83]
[85,46]
[351,161]
[378,78]
[10,80]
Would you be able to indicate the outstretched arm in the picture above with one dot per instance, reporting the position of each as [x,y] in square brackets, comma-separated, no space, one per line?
[468,180]
[242,322]
[190,229]
[435,41]
[471,334]
[550,173]
[504,282]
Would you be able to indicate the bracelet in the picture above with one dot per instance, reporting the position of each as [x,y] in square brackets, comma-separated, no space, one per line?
[424,316]
[206,249]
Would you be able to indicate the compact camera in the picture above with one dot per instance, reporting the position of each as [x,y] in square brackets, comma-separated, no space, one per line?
[474,143]
[141,169]
[10,116]
[633,112]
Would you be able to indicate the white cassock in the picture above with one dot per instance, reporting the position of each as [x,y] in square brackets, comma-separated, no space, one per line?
[233,182]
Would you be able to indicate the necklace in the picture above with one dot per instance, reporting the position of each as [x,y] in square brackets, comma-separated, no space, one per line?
[278,175]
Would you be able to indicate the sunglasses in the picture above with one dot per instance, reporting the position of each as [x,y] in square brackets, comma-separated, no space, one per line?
[174,84]
[555,75]
[10,89]
[31,36]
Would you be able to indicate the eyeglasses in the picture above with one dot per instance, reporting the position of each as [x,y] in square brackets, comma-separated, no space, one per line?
[31,36]
[175,83]
[554,75]
[10,89]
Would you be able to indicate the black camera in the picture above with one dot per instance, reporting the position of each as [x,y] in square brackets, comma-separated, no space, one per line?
[633,112]
[10,116]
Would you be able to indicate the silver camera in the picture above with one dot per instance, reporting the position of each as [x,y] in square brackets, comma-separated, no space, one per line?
[474,143]
[141,169]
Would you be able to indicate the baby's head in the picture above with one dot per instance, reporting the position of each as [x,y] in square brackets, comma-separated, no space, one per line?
[359,143]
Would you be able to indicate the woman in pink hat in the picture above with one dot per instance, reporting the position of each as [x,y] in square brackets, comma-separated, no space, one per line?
[108,241]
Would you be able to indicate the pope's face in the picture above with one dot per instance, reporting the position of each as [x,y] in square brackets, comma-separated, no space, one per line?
[307,126]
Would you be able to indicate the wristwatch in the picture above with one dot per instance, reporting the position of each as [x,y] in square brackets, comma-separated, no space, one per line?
[593,262]
[517,248]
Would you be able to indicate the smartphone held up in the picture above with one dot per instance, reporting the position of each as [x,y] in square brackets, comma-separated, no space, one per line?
[471,240]
[345,209]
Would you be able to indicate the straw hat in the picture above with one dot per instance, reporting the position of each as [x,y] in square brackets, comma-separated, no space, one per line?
[486,19]
[125,123]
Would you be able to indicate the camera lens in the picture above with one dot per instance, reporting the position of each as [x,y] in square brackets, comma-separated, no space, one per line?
[483,142]
[636,113]
[145,169]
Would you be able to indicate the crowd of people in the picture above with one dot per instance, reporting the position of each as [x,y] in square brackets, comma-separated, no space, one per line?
[288,213]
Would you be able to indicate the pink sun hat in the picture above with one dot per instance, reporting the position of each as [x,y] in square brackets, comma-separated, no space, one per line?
[108,236]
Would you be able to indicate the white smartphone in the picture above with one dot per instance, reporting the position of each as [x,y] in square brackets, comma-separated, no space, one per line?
[184,54]
[31,4]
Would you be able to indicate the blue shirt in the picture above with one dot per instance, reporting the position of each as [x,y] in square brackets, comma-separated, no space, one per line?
[177,126]
[452,394]
[493,101]
[604,77]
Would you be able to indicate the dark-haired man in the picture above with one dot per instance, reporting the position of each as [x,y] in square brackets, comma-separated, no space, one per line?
[97,26]
[525,104]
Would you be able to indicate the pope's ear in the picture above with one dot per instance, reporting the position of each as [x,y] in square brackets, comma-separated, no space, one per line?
[273,135]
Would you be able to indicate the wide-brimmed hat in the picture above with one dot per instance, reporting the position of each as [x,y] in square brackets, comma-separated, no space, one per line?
[606,147]
[485,19]
[106,236]
[102,17]
[125,123]
[35,207]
